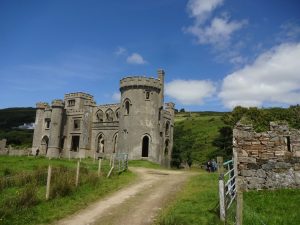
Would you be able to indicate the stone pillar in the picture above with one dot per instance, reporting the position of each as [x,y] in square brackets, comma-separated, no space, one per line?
[55,128]
[38,125]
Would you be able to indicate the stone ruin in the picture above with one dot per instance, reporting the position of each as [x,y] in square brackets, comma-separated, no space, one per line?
[267,160]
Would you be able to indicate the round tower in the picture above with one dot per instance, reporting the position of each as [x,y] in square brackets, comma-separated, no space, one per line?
[139,134]
[38,126]
[55,128]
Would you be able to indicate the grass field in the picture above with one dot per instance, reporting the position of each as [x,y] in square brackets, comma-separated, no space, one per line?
[18,205]
[197,203]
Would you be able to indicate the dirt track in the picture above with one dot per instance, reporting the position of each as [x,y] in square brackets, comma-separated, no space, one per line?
[137,204]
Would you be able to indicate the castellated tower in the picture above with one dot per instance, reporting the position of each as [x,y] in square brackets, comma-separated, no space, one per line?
[142,117]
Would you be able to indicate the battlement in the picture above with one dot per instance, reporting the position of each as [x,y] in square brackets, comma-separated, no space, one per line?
[79,95]
[140,81]
[57,103]
[42,105]
[109,106]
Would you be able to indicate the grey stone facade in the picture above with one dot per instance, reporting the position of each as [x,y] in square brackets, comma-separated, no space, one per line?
[269,159]
[140,125]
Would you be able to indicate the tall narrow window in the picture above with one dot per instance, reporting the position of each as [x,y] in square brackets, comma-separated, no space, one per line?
[47,123]
[167,128]
[145,146]
[147,95]
[127,107]
[288,143]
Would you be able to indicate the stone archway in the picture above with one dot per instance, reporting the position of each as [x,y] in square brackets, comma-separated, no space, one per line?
[44,145]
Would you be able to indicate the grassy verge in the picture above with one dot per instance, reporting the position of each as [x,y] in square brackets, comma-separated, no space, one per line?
[144,163]
[26,204]
[196,204]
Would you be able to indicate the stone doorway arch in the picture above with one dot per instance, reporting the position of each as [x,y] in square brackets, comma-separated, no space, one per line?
[145,146]
[44,145]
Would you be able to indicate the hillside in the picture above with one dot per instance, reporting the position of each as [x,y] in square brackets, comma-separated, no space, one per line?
[194,134]
[11,118]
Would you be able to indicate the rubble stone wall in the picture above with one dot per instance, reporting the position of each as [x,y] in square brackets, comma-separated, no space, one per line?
[267,160]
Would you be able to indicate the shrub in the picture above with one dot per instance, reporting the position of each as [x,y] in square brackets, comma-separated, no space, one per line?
[28,196]
[62,183]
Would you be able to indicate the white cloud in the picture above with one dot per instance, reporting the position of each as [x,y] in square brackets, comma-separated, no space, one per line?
[274,78]
[135,58]
[121,51]
[190,92]
[201,9]
[214,30]
[116,96]
[218,33]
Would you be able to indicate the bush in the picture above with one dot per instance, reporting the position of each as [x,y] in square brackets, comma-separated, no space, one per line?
[62,183]
[28,196]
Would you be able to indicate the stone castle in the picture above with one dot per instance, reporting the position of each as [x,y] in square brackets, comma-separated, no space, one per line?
[140,125]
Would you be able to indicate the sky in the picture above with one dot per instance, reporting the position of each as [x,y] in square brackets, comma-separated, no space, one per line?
[216,54]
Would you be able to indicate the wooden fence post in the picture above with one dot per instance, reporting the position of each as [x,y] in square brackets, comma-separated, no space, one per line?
[77,173]
[48,182]
[220,164]
[239,208]
[99,167]
[222,197]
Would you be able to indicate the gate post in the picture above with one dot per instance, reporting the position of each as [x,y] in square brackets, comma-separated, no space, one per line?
[222,197]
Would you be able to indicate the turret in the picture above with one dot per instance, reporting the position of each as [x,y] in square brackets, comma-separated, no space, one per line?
[56,127]
[38,125]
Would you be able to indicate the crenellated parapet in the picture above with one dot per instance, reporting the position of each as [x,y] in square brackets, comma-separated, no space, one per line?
[139,81]
[57,103]
[42,105]
[79,95]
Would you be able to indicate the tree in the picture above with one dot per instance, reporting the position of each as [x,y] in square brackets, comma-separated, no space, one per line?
[182,110]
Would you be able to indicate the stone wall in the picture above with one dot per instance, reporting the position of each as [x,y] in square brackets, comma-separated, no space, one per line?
[2,144]
[267,160]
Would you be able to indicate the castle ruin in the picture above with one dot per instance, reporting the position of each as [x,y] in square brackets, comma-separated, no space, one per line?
[140,125]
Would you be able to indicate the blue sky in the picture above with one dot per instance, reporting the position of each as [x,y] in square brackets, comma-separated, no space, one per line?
[216,53]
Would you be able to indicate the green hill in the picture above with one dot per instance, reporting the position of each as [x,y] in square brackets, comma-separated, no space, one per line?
[194,134]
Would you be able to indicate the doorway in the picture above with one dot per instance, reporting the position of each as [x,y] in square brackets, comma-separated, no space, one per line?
[145,146]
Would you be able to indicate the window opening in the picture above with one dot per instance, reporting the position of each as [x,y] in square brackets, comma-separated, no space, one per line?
[75,143]
[288,143]
[127,107]
[76,124]
[71,102]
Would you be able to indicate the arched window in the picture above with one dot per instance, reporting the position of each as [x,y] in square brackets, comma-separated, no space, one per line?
[167,128]
[109,115]
[127,107]
[117,113]
[99,115]
[145,146]
[100,144]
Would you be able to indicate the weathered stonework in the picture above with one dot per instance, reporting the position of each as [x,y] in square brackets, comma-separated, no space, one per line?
[140,125]
[269,159]
[2,144]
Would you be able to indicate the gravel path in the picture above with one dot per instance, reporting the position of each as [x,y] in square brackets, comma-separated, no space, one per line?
[137,204]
